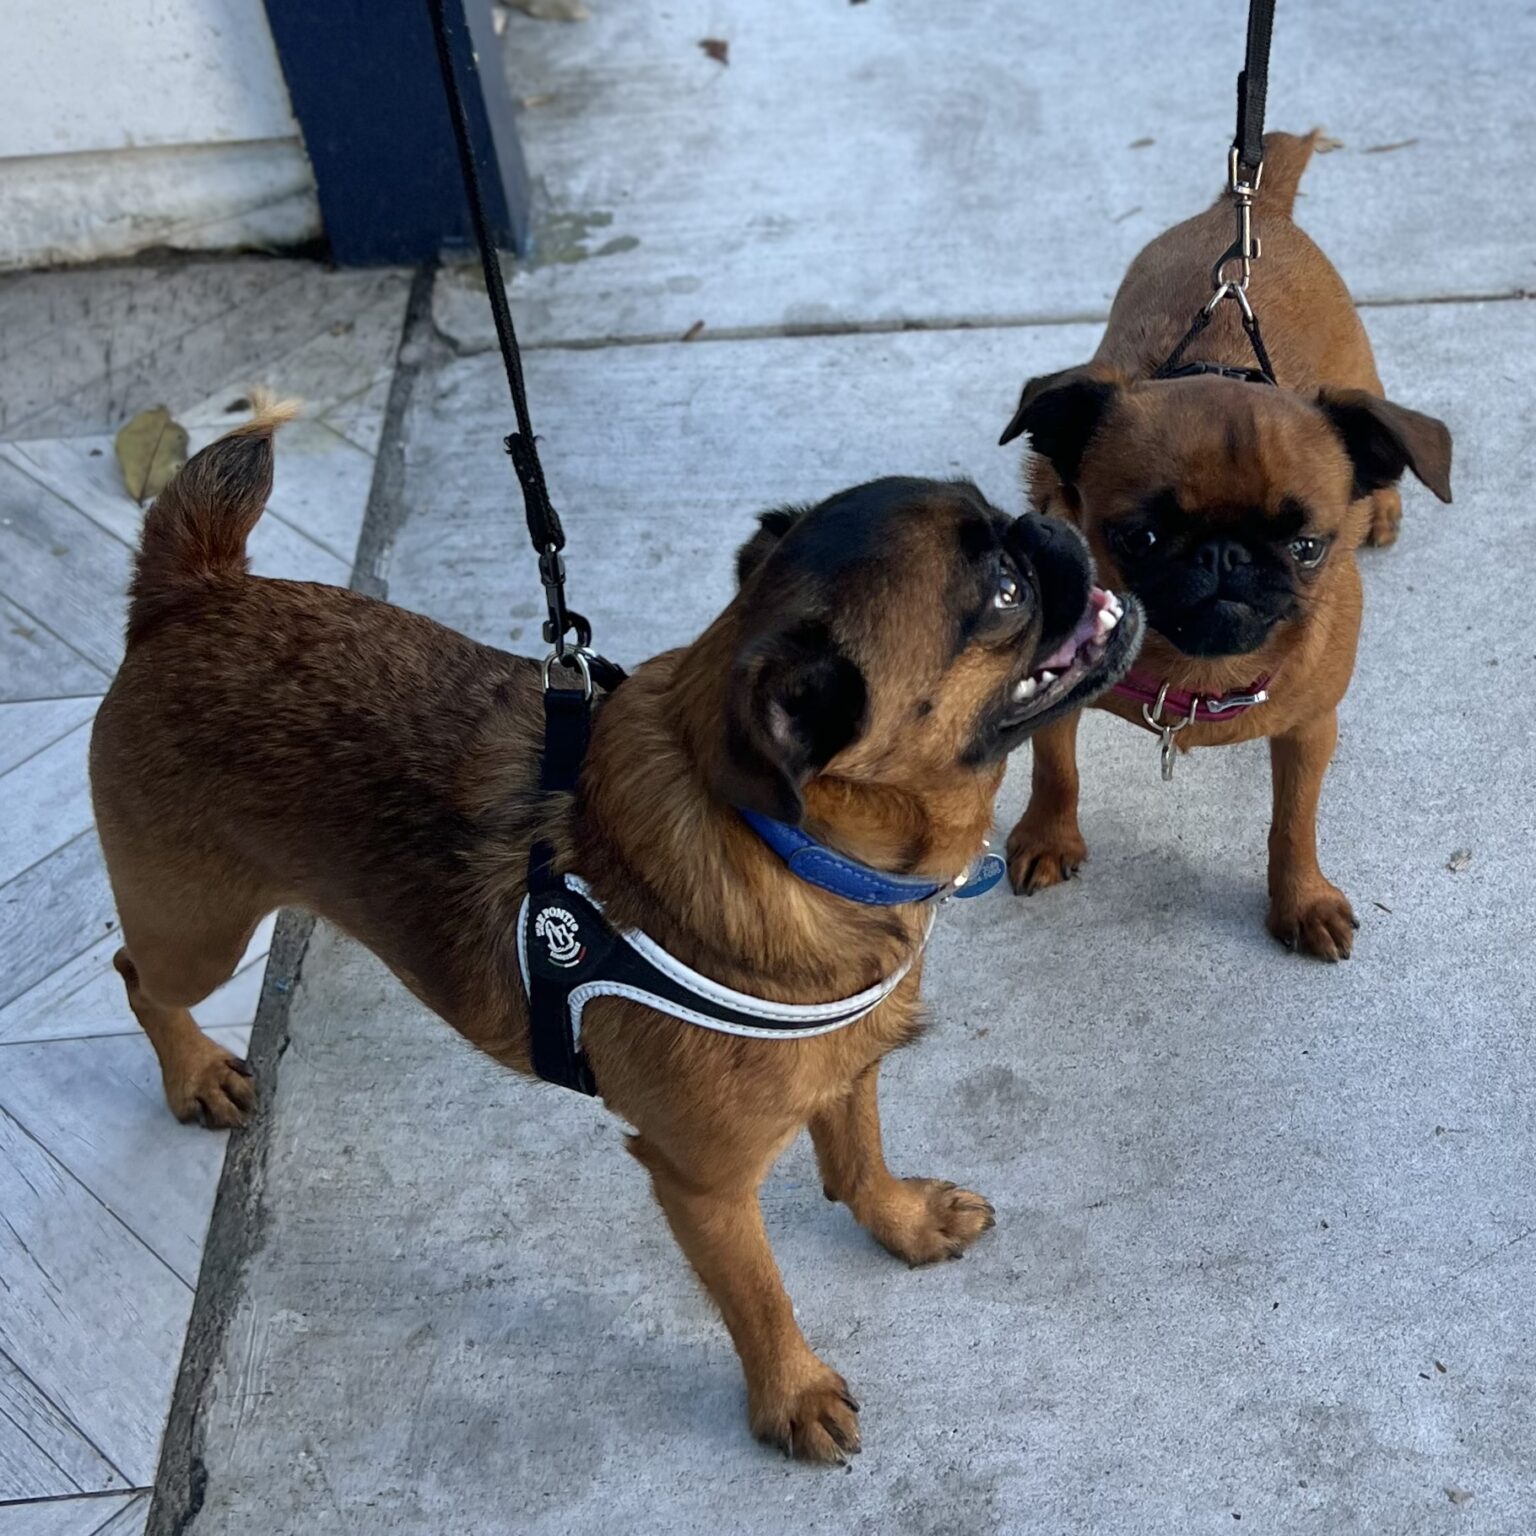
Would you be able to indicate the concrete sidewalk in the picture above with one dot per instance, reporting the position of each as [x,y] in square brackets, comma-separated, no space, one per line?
[1263,1247]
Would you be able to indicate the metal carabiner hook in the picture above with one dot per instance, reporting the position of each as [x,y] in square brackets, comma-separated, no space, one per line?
[1168,729]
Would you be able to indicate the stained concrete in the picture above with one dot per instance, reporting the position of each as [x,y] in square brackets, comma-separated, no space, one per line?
[913,162]
[1265,1227]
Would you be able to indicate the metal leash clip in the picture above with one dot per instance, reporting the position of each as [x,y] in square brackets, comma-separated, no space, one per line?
[561,623]
[1168,729]
[1246,248]
[1231,701]
[576,657]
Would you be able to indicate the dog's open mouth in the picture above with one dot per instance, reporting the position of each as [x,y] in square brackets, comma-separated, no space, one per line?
[1097,653]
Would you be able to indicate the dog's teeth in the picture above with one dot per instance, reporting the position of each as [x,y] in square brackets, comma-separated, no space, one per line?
[1106,620]
[1047,678]
[1025,690]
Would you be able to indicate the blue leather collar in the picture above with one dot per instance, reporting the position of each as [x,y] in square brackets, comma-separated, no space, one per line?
[818,865]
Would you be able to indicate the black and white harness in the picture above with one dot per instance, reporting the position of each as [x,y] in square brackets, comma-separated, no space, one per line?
[569,954]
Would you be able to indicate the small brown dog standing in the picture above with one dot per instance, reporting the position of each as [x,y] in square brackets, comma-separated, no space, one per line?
[273,743]
[1233,511]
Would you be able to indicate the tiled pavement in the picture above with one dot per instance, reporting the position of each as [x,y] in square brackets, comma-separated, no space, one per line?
[104,1197]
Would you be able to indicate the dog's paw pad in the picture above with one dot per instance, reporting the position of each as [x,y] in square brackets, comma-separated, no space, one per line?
[933,1219]
[217,1091]
[1039,860]
[1323,925]
[815,1421]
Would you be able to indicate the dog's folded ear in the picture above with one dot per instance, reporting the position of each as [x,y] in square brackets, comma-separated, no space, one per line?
[796,701]
[1383,439]
[1061,412]
[771,527]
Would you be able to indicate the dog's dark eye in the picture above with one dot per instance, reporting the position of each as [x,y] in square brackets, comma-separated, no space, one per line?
[1008,590]
[1136,539]
[1307,551]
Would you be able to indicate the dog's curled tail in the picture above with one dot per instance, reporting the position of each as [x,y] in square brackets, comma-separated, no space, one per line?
[199,523]
[1286,157]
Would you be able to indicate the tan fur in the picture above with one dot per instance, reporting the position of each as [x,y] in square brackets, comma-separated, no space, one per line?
[274,743]
[1221,442]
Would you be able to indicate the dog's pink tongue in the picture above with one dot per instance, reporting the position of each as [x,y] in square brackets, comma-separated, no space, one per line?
[1087,628]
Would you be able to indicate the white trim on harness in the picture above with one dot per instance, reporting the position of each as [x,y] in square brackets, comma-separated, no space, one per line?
[795,1021]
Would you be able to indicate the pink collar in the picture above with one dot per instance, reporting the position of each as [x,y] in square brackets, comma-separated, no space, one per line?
[1168,710]
[1175,704]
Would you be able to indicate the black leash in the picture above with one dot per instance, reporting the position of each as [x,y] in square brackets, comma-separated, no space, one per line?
[544,527]
[1253,88]
[1245,170]
[567,711]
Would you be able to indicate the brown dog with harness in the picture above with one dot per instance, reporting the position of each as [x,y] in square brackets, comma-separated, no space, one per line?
[766,817]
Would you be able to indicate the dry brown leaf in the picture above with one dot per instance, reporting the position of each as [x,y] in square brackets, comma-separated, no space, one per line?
[1459,860]
[694,331]
[1141,143]
[716,48]
[1458,1495]
[150,449]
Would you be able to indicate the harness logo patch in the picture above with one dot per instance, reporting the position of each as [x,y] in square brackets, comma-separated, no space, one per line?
[561,935]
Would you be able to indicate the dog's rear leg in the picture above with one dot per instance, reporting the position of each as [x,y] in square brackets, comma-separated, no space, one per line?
[794,1399]
[1047,847]
[175,953]
[918,1220]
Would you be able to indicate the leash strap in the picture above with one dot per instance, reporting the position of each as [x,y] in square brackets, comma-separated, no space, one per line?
[551,1044]
[544,526]
[1245,170]
[1175,368]
[1253,89]
[567,711]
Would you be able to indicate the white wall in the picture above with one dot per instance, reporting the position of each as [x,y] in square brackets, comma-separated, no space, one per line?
[137,123]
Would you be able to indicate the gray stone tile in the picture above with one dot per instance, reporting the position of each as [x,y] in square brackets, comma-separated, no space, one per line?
[81,346]
[36,664]
[43,1455]
[90,1311]
[55,561]
[47,801]
[83,996]
[98,1108]
[27,728]
[208,328]
[52,912]
[117,1515]
[323,482]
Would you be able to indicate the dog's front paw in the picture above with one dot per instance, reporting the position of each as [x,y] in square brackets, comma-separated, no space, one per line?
[210,1085]
[814,1417]
[1317,922]
[924,1220]
[1043,854]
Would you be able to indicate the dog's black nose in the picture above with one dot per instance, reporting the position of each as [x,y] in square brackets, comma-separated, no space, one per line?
[1219,556]
[1058,555]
